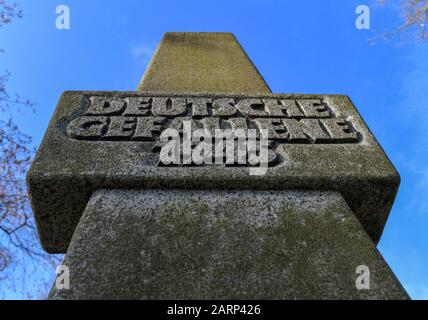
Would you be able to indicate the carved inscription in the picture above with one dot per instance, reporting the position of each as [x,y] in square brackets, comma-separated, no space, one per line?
[298,121]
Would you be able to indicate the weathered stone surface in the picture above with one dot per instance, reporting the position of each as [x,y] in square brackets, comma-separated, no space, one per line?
[189,244]
[106,140]
[212,231]
[202,62]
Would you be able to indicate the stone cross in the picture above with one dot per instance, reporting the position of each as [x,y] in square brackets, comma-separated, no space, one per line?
[135,228]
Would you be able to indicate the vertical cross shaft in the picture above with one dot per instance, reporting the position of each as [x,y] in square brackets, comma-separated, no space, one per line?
[202,62]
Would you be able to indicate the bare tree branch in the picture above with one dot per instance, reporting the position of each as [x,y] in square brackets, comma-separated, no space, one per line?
[20,249]
[414,16]
[9,11]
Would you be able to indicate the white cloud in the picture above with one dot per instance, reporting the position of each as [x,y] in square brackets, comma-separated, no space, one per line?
[414,88]
[143,53]
[418,291]
[413,108]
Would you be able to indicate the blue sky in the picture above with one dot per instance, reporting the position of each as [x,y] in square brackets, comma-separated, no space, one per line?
[298,46]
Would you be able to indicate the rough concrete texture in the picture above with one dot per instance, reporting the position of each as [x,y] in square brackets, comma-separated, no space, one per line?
[202,62]
[65,171]
[222,245]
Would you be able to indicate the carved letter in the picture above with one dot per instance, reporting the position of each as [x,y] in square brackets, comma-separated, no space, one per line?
[121,128]
[138,106]
[314,108]
[283,108]
[305,131]
[224,108]
[105,106]
[169,107]
[147,127]
[238,123]
[274,127]
[211,124]
[199,107]
[340,130]
[87,128]
[252,108]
